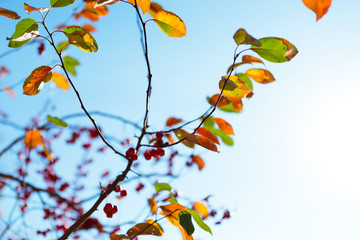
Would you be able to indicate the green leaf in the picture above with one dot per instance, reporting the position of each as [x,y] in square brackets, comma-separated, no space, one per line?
[245,78]
[209,123]
[275,49]
[61,46]
[80,38]
[162,187]
[61,3]
[186,223]
[242,37]
[24,27]
[199,221]
[58,122]
[228,108]
[224,137]
[70,64]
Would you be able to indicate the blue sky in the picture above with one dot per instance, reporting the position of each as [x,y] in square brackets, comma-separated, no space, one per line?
[293,171]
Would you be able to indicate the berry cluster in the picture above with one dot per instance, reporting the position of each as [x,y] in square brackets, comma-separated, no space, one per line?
[110,210]
[154,153]
[123,193]
[131,154]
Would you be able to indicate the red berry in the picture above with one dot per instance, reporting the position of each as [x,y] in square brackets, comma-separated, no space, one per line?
[160,152]
[130,152]
[117,189]
[147,155]
[114,209]
[159,135]
[123,193]
[108,208]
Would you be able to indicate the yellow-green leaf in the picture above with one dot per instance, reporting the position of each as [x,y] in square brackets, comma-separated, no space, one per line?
[170,24]
[182,134]
[242,37]
[61,3]
[80,38]
[35,81]
[260,75]
[24,27]
[234,88]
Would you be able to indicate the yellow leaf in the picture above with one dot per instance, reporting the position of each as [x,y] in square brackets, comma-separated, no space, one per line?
[143,4]
[234,88]
[60,81]
[170,24]
[38,77]
[260,75]
[319,7]
[201,209]
[9,14]
[224,126]
[33,138]
[202,141]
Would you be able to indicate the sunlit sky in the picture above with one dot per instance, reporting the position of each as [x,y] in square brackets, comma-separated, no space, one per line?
[293,172]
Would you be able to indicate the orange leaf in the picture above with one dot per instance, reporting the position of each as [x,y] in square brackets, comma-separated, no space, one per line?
[224,125]
[143,4]
[223,101]
[9,14]
[4,70]
[206,133]
[33,138]
[154,8]
[171,211]
[60,81]
[202,141]
[145,229]
[38,77]
[9,91]
[201,209]
[31,9]
[89,28]
[170,138]
[173,121]
[237,103]
[260,75]
[199,161]
[251,59]
[319,7]
[118,237]
[152,205]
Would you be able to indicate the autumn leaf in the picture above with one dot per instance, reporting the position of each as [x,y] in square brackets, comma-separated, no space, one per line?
[242,37]
[9,91]
[152,205]
[173,121]
[234,88]
[145,229]
[154,8]
[202,141]
[198,161]
[319,7]
[143,4]
[27,28]
[31,9]
[9,14]
[33,138]
[89,28]
[260,75]
[274,49]
[181,135]
[201,209]
[60,81]
[170,24]
[171,211]
[224,125]
[80,38]
[36,80]
[227,105]
[206,133]
[92,11]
